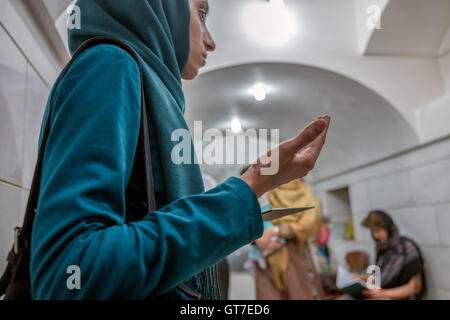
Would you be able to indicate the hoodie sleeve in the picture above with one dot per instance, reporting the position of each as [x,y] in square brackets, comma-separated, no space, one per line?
[82,248]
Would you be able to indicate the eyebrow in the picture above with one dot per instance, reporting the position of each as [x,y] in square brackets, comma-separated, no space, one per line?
[205,2]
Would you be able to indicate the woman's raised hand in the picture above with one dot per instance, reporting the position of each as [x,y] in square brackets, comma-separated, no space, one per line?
[290,160]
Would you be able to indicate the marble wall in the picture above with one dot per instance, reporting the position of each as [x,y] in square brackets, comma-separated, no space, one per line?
[444,63]
[23,96]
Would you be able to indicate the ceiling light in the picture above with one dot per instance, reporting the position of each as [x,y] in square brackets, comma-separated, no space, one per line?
[269,23]
[236,126]
[259,91]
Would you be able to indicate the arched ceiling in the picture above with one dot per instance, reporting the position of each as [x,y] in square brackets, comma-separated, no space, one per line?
[327,37]
[365,126]
[319,70]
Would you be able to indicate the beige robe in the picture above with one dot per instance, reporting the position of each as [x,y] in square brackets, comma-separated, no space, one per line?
[287,274]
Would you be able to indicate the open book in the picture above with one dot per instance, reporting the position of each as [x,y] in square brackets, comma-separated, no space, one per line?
[276,213]
[350,285]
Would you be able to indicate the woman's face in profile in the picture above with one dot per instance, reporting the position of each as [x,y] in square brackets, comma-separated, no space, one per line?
[201,40]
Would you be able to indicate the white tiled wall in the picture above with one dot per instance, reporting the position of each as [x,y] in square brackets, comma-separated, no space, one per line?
[23,96]
[415,189]
[432,118]
[443,222]
[418,223]
[391,191]
[444,63]
[430,183]
[359,197]
[37,95]
[438,265]
[13,71]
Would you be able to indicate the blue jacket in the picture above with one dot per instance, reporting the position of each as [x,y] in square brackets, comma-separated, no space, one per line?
[85,197]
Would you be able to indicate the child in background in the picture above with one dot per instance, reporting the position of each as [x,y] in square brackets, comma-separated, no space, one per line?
[322,238]
[256,255]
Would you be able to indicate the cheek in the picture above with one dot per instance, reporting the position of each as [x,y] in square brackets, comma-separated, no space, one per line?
[196,50]
[196,37]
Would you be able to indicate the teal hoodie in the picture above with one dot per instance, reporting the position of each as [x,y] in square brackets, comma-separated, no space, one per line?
[92,189]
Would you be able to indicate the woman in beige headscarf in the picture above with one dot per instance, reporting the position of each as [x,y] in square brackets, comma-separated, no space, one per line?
[287,275]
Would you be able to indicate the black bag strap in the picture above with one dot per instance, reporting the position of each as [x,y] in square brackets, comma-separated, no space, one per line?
[23,235]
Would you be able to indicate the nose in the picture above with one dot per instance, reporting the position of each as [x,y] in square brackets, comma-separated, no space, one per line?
[208,41]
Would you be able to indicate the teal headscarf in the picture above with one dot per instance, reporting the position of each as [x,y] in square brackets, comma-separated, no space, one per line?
[159,32]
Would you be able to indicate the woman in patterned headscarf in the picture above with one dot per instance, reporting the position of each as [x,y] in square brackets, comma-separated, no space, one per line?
[399,258]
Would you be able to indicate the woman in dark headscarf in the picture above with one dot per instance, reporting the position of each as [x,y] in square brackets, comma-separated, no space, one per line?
[399,258]
[91,211]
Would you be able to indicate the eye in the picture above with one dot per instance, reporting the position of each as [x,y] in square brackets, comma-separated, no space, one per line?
[203,15]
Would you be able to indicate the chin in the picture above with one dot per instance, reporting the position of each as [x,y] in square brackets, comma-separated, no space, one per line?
[190,74]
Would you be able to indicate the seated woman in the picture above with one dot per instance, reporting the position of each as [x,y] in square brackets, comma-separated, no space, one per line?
[399,258]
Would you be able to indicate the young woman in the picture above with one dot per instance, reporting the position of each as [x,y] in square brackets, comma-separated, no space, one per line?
[92,189]
[399,258]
